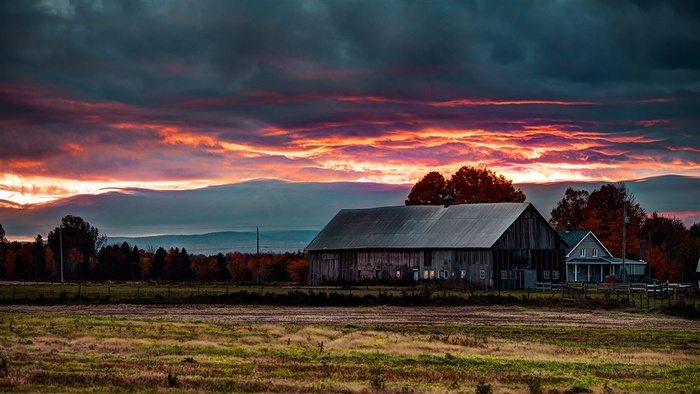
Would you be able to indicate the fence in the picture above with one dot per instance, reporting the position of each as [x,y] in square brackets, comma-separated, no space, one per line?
[635,294]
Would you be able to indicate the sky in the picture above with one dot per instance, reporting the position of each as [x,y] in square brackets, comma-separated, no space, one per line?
[167,95]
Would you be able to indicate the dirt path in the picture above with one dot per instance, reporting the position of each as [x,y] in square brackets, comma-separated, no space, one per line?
[491,315]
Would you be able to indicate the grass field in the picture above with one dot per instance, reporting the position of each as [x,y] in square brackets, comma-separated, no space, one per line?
[100,337]
[78,353]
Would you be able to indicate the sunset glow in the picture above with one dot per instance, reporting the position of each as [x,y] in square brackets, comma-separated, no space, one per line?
[176,102]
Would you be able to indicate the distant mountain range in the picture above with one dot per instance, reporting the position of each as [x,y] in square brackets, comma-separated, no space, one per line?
[288,214]
[224,242]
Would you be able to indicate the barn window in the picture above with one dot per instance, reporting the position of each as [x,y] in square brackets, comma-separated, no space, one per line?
[432,274]
[512,274]
[425,274]
[504,274]
[398,274]
[555,274]
[482,274]
[463,274]
[545,274]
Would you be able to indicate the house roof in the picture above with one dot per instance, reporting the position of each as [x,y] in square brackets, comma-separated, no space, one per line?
[418,226]
[574,238]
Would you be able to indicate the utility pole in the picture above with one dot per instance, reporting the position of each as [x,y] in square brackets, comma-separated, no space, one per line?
[257,247]
[60,241]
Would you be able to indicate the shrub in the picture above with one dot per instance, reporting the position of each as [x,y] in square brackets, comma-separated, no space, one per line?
[4,367]
[482,387]
[172,380]
[534,384]
[377,380]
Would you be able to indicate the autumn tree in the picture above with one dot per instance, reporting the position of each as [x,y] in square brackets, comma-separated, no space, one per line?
[238,266]
[469,185]
[430,190]
[687,256]
[570,210]
[679,245]
[299,270]
[604,217]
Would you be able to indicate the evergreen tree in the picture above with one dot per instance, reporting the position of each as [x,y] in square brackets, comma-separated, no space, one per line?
[38,259]
[135,263]
[224,275]
[158,264]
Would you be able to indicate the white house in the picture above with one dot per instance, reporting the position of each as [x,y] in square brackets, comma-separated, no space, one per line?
[588,260]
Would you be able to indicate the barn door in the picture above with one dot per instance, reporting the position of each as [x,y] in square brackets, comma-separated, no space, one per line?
[529,279]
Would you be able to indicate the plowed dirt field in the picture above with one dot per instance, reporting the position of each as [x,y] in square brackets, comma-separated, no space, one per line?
[380,315]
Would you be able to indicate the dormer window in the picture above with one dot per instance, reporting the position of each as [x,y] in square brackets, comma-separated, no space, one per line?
[583,252]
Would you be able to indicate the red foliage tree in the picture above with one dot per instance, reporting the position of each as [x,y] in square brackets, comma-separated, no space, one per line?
[469,185]
[430,190]
[604,217]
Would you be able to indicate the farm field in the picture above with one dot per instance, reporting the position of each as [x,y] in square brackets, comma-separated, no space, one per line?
[233,348]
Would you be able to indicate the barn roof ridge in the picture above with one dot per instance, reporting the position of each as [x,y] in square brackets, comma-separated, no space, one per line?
[419,226]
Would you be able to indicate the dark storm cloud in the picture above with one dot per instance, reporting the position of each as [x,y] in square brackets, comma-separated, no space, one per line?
[200,89]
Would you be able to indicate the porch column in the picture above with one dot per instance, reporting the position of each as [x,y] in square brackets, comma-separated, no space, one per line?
[588,275]
[575,272]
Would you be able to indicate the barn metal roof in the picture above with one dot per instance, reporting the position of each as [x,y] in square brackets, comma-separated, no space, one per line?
[418,227]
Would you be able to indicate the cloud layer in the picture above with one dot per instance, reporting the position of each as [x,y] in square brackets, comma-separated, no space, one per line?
[182,94]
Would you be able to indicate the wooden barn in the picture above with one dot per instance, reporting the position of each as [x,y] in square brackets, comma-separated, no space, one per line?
[504,245]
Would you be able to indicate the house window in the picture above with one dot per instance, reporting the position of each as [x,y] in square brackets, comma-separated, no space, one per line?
[594,252]
[545,274]
[482,274]
[555,275]
[504,274]
[583,252]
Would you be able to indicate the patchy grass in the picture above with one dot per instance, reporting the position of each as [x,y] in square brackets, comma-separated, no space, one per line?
[62,353]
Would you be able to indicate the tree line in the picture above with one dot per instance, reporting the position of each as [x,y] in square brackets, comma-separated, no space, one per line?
[671,248]
[86,256]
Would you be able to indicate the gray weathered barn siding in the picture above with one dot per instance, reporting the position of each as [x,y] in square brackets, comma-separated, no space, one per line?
[471,242]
